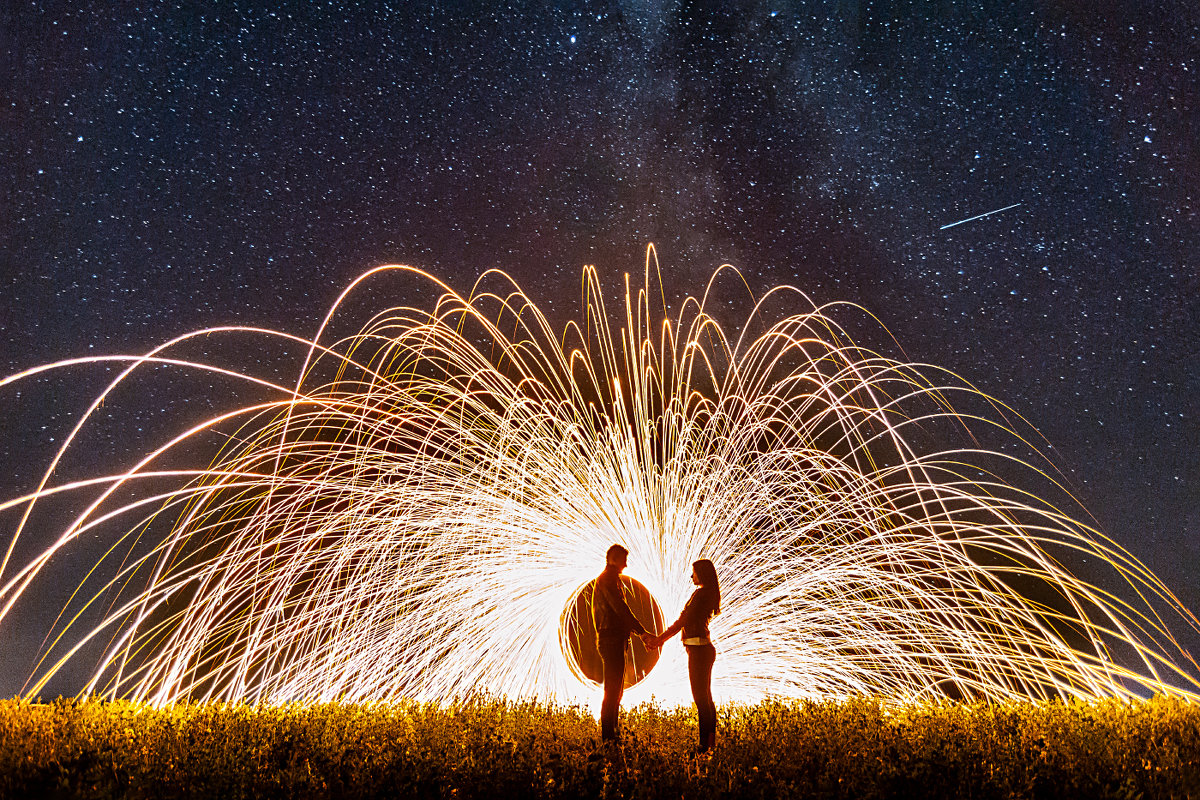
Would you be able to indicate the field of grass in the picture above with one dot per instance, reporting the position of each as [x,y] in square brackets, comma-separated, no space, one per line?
[858,748]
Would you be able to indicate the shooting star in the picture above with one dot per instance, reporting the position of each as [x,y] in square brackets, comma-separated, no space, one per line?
[978,216]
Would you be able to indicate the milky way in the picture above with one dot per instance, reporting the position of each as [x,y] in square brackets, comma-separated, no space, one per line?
[171,168]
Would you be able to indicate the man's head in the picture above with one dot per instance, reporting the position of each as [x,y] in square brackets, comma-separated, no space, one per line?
[617,557]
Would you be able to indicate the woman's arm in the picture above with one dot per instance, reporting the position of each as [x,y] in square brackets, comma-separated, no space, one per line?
[676,626]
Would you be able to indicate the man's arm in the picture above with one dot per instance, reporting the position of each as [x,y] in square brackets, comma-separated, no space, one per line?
[624,610]
[611,591]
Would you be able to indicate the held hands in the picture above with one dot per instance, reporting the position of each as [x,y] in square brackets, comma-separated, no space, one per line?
[651,641]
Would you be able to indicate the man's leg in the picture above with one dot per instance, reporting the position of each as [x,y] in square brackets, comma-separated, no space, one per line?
[612,654]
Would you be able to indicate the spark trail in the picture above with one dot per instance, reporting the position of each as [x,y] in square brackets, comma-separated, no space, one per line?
[414,514]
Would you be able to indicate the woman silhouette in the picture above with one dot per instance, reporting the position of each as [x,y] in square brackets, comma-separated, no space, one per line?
[699,609]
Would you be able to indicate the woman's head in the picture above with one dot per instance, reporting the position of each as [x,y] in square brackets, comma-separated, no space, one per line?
[705,575]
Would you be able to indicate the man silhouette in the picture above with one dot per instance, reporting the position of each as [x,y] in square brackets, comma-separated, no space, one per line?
[614,623]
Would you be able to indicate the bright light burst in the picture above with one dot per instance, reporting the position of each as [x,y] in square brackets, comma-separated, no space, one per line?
[412,516]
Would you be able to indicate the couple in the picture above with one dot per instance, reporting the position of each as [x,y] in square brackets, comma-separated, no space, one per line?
[615,622]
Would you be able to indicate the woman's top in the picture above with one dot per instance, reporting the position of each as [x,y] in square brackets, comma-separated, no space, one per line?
[693,620]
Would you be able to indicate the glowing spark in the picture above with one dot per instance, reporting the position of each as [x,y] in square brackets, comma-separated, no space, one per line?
[978,216]
[416,514]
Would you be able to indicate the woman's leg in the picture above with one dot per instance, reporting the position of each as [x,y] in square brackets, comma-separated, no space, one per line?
[700,666]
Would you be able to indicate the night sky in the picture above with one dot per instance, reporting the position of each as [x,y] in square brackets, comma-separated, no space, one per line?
[168,168]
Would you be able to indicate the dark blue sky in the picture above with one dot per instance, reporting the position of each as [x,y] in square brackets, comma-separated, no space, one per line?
[169,168]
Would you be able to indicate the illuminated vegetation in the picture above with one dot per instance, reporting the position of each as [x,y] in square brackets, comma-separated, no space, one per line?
[497,749]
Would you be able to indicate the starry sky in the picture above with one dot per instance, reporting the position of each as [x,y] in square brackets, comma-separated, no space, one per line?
[171,167]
